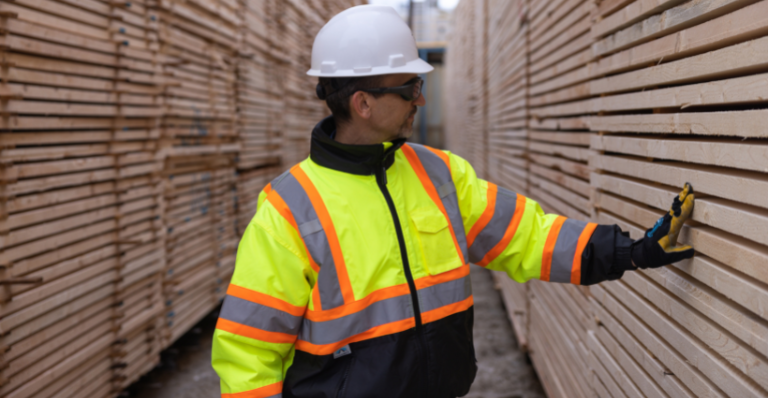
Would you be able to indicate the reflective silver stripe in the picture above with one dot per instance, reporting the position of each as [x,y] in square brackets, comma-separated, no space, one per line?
[377,314]
[276,396]
[259,316]
[437,296]
[309,228]
[565,249]
[491,235]
[440,175]
[304,213]
[385,311]
[447,189]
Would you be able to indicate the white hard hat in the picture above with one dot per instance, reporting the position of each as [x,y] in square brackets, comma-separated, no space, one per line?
[366,40]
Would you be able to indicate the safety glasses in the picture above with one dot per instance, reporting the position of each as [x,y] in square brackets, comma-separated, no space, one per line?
[408,92]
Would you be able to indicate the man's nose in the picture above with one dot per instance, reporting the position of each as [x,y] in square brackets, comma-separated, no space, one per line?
[421,101]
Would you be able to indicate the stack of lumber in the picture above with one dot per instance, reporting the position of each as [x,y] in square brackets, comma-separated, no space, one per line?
[507,122]
[462,133]
[628,100]
[507,94]
[686,96]
[478,100]
[135,138]
[259,104]
[560,50]
[558,149]
[300,23]
[200,42]
[82,244]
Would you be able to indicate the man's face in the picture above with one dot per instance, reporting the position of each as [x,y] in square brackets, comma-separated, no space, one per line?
[392,116]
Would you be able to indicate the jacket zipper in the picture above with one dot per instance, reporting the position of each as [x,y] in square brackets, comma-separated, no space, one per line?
[381,181]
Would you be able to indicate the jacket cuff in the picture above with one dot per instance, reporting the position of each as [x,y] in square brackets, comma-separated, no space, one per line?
[606,256]
[622,257]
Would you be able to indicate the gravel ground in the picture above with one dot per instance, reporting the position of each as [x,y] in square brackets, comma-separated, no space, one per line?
[504,371]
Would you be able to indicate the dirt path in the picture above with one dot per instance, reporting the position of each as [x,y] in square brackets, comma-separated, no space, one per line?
[504,372]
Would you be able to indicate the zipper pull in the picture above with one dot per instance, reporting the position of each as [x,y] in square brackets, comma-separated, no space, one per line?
[384,174]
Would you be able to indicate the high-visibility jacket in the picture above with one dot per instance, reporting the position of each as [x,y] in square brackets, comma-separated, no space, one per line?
[352,279]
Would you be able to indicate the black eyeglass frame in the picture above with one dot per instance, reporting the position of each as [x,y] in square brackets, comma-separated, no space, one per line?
[405,91]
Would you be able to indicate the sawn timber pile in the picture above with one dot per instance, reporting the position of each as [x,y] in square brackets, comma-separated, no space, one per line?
[135,138]
[625,102]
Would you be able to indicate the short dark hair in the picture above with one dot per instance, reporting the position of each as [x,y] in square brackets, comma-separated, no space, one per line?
[338,91]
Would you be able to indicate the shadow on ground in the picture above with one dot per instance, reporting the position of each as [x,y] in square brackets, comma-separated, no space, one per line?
[504,371]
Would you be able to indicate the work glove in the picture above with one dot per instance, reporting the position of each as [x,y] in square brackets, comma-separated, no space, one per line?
[658,246]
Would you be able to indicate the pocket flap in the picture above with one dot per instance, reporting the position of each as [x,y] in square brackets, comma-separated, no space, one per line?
[429,220]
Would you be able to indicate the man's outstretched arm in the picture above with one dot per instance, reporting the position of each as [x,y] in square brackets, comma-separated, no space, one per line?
[509,232]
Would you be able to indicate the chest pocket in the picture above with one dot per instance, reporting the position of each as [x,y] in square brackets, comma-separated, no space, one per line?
[435,240]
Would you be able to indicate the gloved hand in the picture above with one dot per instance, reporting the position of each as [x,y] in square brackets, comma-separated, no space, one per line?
[658,247]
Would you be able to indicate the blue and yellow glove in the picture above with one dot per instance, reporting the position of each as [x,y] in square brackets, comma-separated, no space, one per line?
[658,247]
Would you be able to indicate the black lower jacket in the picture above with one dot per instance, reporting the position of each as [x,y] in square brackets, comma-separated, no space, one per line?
[441,365]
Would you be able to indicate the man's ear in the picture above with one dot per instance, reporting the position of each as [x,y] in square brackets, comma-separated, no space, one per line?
[360,103]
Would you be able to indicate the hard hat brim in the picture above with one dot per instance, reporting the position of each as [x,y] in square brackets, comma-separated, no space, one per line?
[418,66]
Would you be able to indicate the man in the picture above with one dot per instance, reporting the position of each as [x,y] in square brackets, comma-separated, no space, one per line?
[352,280]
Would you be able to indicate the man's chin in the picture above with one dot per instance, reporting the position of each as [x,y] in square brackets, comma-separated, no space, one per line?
[406,131]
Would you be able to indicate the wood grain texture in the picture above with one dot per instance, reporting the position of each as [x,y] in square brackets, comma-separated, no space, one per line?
[621,108]
[120,143]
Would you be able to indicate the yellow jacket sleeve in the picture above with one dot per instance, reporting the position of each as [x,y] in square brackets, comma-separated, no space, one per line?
[253,344]
[509,232]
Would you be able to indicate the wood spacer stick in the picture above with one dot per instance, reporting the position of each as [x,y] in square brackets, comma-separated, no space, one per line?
[22,281]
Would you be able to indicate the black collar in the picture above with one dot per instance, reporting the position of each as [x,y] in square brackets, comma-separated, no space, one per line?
[353,159]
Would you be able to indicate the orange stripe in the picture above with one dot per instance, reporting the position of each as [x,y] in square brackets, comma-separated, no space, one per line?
[487,215]
[330,232]
[447,310]
[549,248]
[441,155]
[279,204]
[264,299]
[508,235]
[357,306]
[383,330]
[254,333]
[451,275]
[389,328]
[261,392]
[418,168]
[582,244]
[386,293]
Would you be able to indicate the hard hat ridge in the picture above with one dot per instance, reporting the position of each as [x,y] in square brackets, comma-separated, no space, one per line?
[366,40]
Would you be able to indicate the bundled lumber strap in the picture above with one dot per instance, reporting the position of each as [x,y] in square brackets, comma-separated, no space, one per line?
[135,138]
[628,100]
